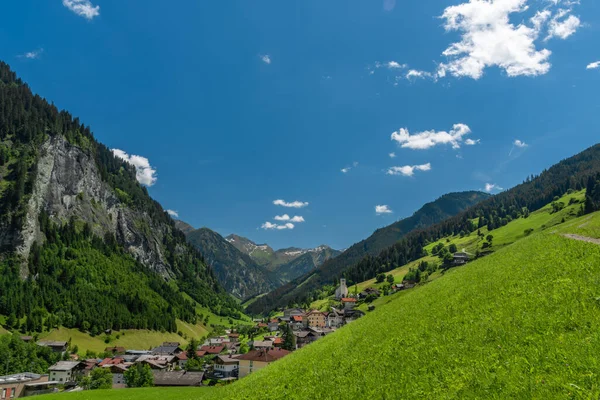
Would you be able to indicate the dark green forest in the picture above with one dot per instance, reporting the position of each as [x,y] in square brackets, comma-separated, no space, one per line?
[77,279]
[577,173]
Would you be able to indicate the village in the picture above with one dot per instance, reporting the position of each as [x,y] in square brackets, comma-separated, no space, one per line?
[219,359]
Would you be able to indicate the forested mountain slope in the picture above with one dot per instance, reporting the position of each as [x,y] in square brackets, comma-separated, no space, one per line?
[430,213]
[82,243]
[574,173]
[236,271]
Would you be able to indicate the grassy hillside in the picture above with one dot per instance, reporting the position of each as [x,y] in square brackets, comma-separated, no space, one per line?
[523,322]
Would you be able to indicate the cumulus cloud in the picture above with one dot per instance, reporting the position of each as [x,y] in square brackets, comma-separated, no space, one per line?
[270,226]
[488,38]
[471,142]
[145,174]
[32,55]
[382,209]
[392,155]
[415,74]
[519,143]
[173,213]
[395,65]
[408,170]
[490,187]
[283,217]
[293,204]
[83,8]
[594,65]
[561,27]
[428,139]
[297,219]
[266,58]
[346,170]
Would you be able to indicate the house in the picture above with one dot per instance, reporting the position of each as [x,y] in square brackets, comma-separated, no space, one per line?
[369,291]
[342,290]
[177,378]
[158,362]
[212,350]
[118,375]
[89,365]
[316,318]
[278,342]
[56,346]
[273,326]
[66,371]
[111,361]
[115,350]
[290,312]
[398,286]
[200,353]
[27,339]
[234,337]
[338,318]
[137,352]
[302,338]
[348,303]
[258,359]
[167,349]
[460,259]
[232,348]
[182,360]
[261,344]
[25,384]
[226,366]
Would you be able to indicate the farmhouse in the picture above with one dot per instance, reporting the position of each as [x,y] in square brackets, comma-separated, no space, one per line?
[25,384]
[226,366]
[65,371]
[258,359]
[460,259]
[56,346]
[177,378]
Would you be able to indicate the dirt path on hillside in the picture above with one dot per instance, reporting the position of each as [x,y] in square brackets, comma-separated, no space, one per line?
[582,238]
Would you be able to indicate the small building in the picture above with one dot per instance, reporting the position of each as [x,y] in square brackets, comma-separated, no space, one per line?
[118,375]
[348,303]
[369,291]
[25,384]
[226,366]
[342,290]
[212,350]
[261,344]
[460,259]
[258,359]
[234,337]
[158,362]
[56,346]
[177,378]
[115,350]
[302,338]
[273,326]
[316,319]
[27,339]
[290,312]
[167,349]
[182,360]
[66,371]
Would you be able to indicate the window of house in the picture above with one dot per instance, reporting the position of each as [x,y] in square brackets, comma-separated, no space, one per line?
[3,393]
[12,393]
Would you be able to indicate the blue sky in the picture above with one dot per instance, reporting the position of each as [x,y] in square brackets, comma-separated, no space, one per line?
[237,104]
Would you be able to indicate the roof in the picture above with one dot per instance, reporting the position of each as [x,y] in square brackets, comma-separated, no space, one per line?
[262,325]
[269,355]
[227,359]
[297,318]
[262,343]
[234,335]
[315,312]
[167,348]
[278,341]
[301,334]
[177,378]
[64,366]
[51,343]
[182,356]
[22,377]
[212,349]
[27,338]
[348,300]
[110,361]
[200,353]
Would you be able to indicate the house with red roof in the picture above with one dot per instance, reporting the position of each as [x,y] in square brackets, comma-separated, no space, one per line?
[258,359]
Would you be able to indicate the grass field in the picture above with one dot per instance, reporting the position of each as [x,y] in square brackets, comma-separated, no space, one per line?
[521,323]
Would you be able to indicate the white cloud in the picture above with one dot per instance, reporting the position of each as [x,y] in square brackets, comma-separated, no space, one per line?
[283,217]
[593,65]
[413,73]
[395,65]
[408,170]
[271,226]
[266,59]
[32,55]
[297,219]
[563,28]
[173,213]
[293,204]
[490,187]
[83,8]
[488,38]
[346,170]
[392,155]
[382,209]
[519,143]
[429,139]
[471,142]
[145,174]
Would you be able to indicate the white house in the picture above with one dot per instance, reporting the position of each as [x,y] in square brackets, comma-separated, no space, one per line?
[65,371]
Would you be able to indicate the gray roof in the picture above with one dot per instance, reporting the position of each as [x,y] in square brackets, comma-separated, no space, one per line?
[64,366]
[166,348]
[177,378]
[51,343]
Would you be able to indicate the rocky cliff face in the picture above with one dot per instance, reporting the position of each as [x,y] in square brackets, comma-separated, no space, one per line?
[68,184]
